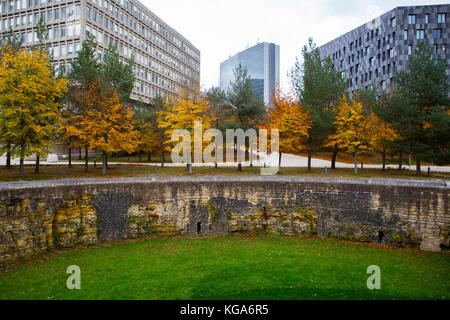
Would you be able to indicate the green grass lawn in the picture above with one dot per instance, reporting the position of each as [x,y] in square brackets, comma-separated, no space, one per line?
[234,267]
[122,171]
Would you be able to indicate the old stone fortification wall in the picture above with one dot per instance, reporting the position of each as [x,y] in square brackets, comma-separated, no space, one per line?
[38,216]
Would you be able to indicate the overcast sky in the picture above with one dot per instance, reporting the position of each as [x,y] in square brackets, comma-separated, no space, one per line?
[222,28]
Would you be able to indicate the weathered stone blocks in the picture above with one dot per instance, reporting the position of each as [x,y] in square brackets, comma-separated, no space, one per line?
[37,217]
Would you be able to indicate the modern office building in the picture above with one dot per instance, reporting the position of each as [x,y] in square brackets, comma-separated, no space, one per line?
[263,64]
[372,53]
[165,60]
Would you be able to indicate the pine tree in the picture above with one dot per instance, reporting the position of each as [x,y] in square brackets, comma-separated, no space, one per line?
[419,108]
[248,108]
[117,75]
[318,86]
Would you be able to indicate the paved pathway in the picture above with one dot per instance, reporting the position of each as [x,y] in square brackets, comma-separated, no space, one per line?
[288,160]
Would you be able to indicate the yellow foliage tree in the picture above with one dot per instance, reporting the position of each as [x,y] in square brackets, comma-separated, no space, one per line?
[29,110]
[354,128]
[182,113]
[381,134]
[293,122]
[147,137]
[106,124]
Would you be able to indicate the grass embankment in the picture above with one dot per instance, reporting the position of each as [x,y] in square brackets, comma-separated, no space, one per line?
[234,267]
[123,171]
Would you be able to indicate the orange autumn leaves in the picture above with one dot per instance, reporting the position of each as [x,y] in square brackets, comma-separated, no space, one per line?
[357,129]
[104,124]
[291,119]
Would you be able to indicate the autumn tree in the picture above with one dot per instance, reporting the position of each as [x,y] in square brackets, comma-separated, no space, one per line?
[29,111]
[182,112]
[145,125]
[318,86]
[9,42]
[148,115]
[106,124]
[354,127]
[292,121]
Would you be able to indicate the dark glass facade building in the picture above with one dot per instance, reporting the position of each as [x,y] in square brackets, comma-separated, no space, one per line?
[263,64]
[371,54]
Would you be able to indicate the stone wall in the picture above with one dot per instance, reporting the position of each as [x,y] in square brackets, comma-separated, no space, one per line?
[38,216]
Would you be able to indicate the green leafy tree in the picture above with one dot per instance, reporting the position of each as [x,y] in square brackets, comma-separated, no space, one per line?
[419,108]
[219,106]
[12,41]
[117,75]
[85,69]
[248,108]
[318,86]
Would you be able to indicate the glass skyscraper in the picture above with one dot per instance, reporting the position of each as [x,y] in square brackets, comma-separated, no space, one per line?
[263,64]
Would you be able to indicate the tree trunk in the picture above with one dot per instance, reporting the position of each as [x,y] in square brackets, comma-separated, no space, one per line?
[86,160]
[149,157]
[140,156]
[418,167]
[356,161]
[106,157]
[400,166]
[8,157]
[79,156]
[163,160]
[310,157]
[36,167]
[70,157]
[333,159]
[104,162]
[279,163]
[384,159]
[21,168]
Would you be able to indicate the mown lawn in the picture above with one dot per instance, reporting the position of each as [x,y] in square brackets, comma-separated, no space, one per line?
[234,267]
[122,171]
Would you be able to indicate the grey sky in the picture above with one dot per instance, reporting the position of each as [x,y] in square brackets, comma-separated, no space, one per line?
[221,28]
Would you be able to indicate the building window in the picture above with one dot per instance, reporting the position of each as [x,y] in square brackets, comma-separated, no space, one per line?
[409,50]
[405,35]
[420,35]
[427,18]
[393,22]
[412,19]
[442,17]
[437,34]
